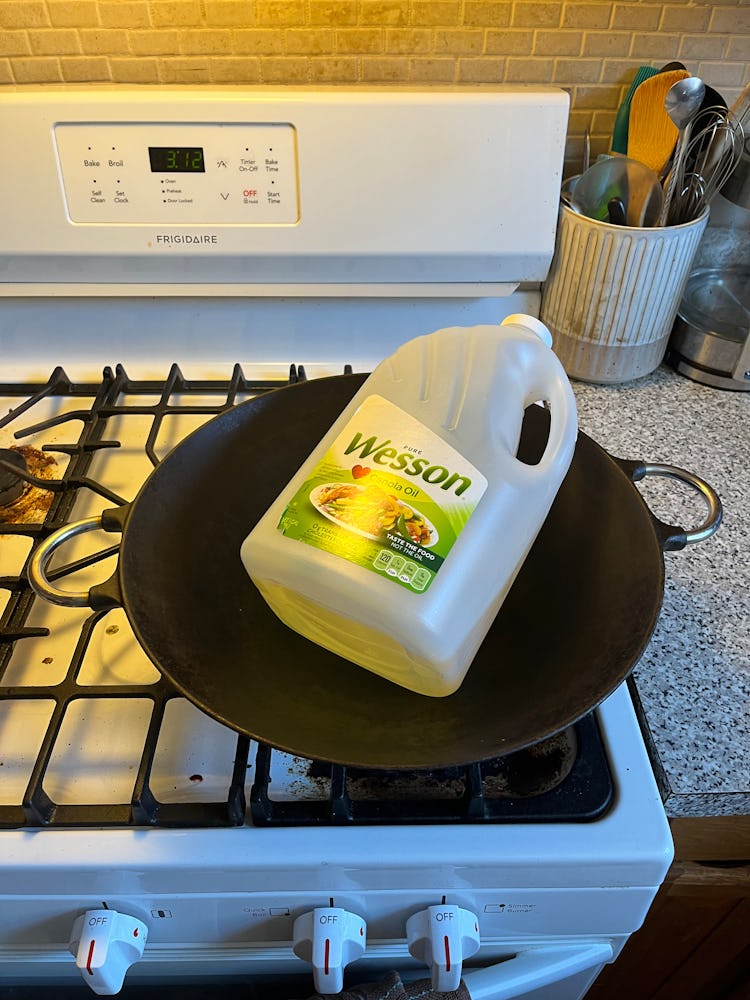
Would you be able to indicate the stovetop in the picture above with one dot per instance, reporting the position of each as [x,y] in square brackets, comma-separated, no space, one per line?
[97,737]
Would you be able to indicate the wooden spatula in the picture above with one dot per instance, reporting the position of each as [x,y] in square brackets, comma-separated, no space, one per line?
[651,133]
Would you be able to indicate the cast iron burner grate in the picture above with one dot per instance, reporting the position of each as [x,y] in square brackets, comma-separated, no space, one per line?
[37,808]
[563,779]
[576,784]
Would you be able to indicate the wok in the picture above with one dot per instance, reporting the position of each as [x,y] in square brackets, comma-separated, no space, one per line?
[576,621]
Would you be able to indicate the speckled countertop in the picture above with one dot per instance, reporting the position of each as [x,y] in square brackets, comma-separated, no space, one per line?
[694,678]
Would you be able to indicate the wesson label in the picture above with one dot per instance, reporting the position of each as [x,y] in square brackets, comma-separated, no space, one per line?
[389,495]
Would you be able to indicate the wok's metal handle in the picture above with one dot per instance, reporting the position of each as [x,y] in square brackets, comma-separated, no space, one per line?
[106,595]
[677,538]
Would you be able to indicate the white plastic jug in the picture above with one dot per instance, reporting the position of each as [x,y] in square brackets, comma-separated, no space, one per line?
[398,539]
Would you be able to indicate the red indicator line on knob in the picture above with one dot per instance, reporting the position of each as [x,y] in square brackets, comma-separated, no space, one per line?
[90,959]
[327,956]
[447,954]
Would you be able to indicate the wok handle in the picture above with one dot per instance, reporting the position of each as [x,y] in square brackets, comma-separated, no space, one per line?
[677,538]
[106,595]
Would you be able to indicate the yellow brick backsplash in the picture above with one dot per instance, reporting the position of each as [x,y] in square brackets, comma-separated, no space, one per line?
[359,40]
[592,49]
[510,43]
[330,71]
[123,14]
[172,13]
[432,70]
[83,69]
[536,15]
[310,41]
[477,71]
[226,13]
[54,41]
[126,70]
[405,41]
[648,17]
[71,13]
[276,13]
[388,13]
[486,15]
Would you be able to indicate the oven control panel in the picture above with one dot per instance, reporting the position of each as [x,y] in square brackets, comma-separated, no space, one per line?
[206,174]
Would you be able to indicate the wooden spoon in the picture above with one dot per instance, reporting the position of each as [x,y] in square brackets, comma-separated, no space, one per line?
[651,133]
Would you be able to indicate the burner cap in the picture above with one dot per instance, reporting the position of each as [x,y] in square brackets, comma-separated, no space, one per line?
[11,485]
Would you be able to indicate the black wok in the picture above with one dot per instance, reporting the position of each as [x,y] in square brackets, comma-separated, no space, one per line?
[576,621]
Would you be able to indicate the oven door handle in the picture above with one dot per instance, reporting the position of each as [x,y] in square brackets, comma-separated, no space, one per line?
[534,968]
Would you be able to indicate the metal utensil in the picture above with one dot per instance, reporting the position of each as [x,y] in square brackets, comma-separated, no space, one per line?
[682,103]
[709,160]
[586,150]
[631,181]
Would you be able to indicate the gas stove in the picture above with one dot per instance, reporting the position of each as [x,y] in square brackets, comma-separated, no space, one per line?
[144,843]
[61,477]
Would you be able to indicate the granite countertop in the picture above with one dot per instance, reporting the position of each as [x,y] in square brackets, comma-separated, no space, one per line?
[694,678]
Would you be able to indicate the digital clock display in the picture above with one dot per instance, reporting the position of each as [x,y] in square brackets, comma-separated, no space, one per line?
[176,159]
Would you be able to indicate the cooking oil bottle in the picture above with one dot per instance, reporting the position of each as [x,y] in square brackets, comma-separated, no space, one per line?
[396,542]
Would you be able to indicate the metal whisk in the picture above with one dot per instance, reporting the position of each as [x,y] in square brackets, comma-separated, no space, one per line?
[713,152]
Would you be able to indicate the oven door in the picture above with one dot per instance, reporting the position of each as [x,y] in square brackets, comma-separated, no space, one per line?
[551,971]
[532,969]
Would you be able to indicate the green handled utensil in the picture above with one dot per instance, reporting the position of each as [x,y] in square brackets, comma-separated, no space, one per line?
[620,130]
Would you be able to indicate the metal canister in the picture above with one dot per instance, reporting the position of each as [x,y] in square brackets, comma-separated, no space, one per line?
[710,341]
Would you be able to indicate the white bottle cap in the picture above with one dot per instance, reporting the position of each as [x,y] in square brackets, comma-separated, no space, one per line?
[530,323]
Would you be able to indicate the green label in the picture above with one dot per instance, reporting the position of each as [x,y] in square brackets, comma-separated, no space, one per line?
[389,495]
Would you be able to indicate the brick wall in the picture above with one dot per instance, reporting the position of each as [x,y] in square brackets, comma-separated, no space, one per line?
[592,49]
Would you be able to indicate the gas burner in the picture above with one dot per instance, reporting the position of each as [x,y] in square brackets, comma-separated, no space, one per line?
[11,484]
[566,778]
[24,500]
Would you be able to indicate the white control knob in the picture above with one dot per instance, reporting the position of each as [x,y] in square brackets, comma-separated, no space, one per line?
[329,938]
[106,943]
[442,937]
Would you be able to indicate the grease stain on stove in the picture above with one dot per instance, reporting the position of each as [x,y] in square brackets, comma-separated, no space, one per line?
[31,506]
[526,773]
[534,770]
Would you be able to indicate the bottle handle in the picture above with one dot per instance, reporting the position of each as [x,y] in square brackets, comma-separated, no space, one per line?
[552,387]
[558,396]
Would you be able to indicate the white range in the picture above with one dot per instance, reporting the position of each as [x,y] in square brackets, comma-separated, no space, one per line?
[151,241]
